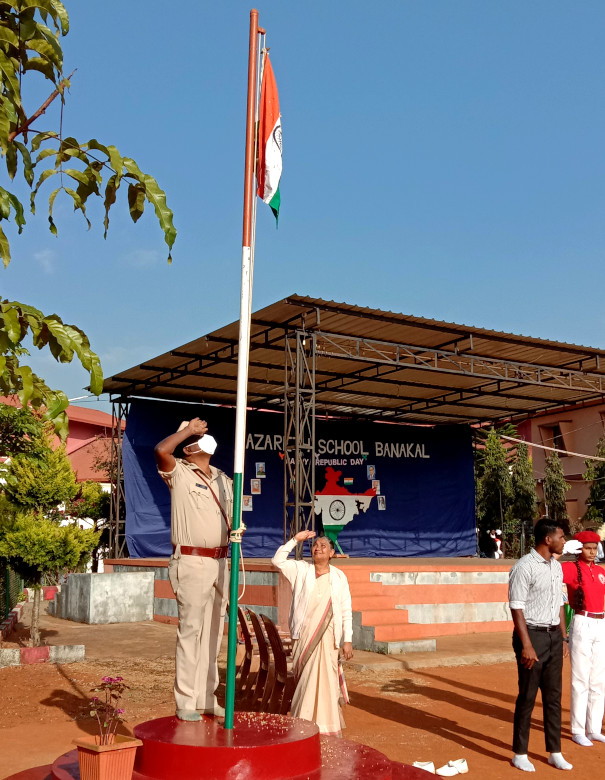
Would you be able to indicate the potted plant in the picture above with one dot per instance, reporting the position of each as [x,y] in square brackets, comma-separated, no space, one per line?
[107,755]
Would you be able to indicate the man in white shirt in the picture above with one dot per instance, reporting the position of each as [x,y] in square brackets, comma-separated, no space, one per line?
[536,605]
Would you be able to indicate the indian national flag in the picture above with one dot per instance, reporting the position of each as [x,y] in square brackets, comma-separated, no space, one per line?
[268,172]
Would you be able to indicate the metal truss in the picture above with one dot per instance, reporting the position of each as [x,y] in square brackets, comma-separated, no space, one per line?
[448,362]
[117,507]
[299,433]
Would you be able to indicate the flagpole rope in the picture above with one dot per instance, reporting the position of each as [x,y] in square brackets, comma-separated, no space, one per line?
[551,449]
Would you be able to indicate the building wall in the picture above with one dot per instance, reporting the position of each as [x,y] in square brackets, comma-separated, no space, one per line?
[578,430]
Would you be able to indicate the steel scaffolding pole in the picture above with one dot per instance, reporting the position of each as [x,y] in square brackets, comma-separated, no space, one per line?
[299,433]
[117,506]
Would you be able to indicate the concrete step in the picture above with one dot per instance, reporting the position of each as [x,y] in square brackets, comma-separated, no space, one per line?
[381,617]
[373,602]
[368,588]
[463,612]
[432,594]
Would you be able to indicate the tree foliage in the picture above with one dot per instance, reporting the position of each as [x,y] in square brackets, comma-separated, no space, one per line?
[30,48]
[39,484]
[21,431]
[555,488]
[495,493]
[595,474]
[481,435]
[91,501]
[35,546]
[525,500]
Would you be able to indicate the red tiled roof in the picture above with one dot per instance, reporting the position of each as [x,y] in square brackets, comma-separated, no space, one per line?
[75,413]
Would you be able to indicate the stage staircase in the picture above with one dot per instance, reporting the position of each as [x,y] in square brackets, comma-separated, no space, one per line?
[404,607]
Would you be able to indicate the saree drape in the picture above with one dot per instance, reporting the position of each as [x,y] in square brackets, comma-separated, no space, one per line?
[320,686]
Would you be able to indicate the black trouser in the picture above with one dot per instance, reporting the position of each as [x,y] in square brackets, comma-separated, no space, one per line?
[546,675]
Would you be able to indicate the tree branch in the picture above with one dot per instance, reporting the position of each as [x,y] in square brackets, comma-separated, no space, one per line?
[25,126]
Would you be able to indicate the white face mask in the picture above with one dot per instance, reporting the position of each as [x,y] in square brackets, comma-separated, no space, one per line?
[206,444]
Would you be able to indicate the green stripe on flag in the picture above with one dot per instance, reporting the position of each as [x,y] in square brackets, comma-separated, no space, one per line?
[274,203]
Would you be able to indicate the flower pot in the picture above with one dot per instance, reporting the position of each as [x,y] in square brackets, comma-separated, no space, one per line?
[107,762]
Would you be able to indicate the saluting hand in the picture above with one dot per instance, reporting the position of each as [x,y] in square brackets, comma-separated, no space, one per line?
[197,427]
[302,536]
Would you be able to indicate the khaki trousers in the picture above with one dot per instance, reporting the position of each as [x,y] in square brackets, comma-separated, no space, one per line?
[201,586]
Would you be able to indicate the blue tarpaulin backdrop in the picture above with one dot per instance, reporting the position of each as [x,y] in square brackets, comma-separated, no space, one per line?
[423,476]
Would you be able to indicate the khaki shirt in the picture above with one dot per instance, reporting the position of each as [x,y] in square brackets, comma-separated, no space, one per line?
[196,519]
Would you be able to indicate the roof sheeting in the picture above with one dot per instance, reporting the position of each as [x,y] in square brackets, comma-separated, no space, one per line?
[377,364]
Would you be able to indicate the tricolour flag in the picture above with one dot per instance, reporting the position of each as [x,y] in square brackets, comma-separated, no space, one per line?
[269,166]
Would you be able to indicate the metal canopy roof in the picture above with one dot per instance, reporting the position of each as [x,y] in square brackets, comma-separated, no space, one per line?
[378,365]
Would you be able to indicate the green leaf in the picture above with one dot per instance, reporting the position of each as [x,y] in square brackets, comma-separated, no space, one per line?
[5,128]
[8,200]
[5,253]
[47,153]
[136,200]
[11,323]
[12,80]
[27,379]
[110,199]
[38,139]
[8,36]
[51,202]
[11,161]
[61,344]
[46,51]
[5,206]
[157,198]
[41,66]
[56,405]
[78,175]
[43,177]
[78,203]
[94,144]
[28,170]
[54,8]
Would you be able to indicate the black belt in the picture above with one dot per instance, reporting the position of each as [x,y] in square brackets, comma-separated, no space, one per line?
[545,628]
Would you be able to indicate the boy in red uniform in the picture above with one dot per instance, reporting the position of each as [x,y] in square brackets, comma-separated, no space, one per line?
[585,582]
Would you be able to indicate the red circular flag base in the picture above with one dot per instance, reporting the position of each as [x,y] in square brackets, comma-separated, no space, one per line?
[259,747]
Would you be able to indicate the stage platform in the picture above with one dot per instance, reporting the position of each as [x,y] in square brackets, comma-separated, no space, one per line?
[400,605]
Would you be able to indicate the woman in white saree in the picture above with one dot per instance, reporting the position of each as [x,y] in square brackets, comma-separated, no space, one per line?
[320,620]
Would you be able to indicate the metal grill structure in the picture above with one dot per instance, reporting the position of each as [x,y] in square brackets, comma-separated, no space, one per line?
[299,434]
[354,362]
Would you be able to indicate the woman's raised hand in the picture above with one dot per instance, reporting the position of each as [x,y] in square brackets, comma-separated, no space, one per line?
[302,536]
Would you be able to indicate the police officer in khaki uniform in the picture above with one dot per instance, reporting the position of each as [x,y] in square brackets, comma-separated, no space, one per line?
[201,511]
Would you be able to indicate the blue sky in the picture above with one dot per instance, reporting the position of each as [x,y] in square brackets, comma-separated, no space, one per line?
[441,158]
